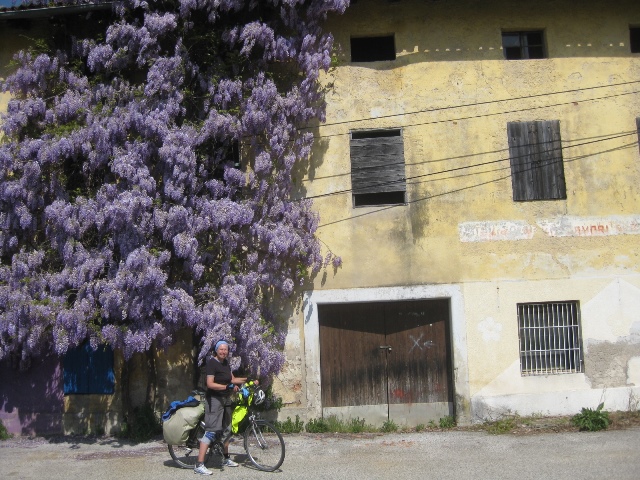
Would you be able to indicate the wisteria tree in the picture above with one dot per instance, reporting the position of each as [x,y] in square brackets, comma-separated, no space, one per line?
[146,179]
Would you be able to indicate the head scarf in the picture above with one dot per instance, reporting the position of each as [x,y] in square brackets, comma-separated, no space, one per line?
[219,344]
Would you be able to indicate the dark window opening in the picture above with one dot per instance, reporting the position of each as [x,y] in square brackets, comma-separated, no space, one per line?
[375,134]
[377,168]
[523,45]
[373,49]
[634,40]
[378,199]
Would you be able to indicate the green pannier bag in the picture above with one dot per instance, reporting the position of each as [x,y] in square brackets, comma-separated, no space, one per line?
[177,428]
[240,412]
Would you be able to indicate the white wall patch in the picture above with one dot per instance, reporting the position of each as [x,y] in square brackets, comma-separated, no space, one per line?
[591,226]
[490,329]
[503,230]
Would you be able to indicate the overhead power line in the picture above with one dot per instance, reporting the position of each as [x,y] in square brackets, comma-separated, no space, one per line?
[475,165]
[491,114]
[474,104]
[494,180]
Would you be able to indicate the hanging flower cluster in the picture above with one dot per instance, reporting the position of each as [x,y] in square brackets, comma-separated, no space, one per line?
[125,214]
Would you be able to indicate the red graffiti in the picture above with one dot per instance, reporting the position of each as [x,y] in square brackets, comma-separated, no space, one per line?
[398,393]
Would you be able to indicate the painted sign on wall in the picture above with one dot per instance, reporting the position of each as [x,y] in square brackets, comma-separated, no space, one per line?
[567,226]
[495,231]
[591,226]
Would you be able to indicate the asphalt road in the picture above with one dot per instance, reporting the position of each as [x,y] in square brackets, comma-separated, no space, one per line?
[429,455]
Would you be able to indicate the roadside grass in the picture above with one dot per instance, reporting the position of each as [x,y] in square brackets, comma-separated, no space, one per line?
[513,424]
[527,425]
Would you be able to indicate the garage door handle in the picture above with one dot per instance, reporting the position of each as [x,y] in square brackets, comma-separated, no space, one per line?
[385,347]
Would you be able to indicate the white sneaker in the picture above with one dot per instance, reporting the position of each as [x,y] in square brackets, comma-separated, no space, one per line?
[229,463]
[202,470]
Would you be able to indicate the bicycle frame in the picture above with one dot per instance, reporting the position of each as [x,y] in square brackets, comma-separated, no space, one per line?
[263,443]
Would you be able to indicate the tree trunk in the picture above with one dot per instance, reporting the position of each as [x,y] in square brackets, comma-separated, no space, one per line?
[127,409]
[152,377]
[198,381]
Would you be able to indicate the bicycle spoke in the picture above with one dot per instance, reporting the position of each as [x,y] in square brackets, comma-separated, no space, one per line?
[264,445]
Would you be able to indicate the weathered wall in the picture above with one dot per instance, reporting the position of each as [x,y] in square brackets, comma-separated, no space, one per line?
[103,413]
[452,93]
[32,402]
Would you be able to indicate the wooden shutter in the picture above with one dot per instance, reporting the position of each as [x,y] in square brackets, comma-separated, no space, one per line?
[377,162]
[537,170]
[89,371]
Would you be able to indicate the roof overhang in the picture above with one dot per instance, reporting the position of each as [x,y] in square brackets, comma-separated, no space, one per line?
[43,12]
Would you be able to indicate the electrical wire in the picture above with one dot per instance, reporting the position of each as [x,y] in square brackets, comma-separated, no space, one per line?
[503,112]
[494,180]
[475,165]
[463,105]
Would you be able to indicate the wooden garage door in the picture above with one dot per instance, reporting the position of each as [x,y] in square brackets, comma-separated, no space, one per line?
[391,357]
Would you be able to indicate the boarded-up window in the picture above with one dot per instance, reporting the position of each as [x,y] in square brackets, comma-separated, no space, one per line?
[89,371]
[550,338]
[537,170]
[377,167]
[523,45]
[373,49]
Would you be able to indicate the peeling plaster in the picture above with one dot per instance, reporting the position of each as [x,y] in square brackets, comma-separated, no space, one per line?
[607,365]
[612,314]
[633,371]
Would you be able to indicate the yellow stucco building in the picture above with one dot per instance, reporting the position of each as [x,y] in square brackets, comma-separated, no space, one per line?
[477,173]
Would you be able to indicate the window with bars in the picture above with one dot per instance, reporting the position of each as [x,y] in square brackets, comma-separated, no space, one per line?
[550,338]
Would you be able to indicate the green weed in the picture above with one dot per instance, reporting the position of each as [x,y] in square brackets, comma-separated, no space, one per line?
[501,426]
[4,433]
[290,426]
[389,426]
[317,425]
[358,425]
[448,422]
[591,420]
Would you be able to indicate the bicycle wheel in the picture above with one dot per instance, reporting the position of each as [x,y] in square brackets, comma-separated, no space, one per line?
[186,455]
[264,445]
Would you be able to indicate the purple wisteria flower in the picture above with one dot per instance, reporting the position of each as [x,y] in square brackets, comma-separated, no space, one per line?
[146,179]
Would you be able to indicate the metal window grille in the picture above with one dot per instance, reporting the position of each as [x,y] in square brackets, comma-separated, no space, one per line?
[550,338]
